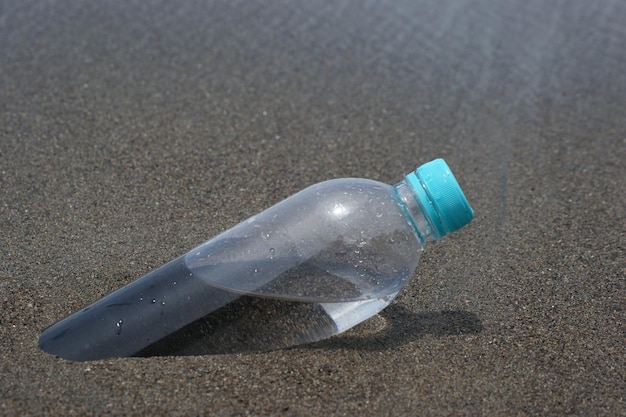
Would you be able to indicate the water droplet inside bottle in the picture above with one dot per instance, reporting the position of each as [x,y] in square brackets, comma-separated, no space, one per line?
[118,327]
[153,301]
[271,253]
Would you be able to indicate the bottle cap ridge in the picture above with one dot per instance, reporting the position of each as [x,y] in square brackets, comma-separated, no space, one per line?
[441,196]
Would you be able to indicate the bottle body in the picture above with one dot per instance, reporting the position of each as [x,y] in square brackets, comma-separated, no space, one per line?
[338,252]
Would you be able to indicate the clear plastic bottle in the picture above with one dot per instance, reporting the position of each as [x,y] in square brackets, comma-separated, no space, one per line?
[312,266]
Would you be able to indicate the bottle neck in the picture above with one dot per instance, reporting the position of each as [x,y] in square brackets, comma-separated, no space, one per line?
[412,206]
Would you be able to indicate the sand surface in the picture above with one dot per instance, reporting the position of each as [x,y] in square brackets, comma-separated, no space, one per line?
[130,132]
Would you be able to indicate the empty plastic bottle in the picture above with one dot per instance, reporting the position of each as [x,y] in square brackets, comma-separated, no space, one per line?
[312,266]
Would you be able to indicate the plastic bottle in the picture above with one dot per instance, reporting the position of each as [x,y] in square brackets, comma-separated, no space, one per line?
[311,266]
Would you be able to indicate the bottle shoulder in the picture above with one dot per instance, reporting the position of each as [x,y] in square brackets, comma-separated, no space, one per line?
[348,190]
[357,185]
[353,211]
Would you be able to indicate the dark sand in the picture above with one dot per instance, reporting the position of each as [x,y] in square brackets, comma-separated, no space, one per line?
[129,133]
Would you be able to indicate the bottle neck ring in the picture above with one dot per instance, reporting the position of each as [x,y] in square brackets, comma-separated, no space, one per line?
[416,212]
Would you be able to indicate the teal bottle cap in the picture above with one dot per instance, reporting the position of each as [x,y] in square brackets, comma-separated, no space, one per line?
[441,197]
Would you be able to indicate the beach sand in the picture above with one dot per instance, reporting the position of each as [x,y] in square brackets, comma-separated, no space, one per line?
[130,132]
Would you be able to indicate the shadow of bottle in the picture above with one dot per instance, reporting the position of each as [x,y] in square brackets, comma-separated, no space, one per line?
[403,326]
[394,326]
